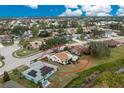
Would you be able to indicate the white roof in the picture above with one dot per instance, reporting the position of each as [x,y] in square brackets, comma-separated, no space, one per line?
[36,67]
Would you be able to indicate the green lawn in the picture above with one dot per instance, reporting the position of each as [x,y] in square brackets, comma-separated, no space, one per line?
[116,53]
[25,52]
[7,43]
[112,63]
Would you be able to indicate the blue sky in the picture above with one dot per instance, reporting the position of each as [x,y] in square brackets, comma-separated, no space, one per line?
[60,10]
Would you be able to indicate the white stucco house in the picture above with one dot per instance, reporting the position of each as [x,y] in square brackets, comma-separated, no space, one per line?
[62,57]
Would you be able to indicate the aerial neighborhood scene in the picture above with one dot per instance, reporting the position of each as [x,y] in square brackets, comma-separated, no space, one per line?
[62,52]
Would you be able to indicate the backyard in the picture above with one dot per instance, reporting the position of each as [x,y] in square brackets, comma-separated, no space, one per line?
[66,73]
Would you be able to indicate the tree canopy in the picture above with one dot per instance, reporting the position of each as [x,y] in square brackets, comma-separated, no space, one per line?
[99,49]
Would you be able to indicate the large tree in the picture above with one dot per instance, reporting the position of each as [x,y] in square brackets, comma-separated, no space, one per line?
[19,30]
[99,49]
[44,33]
[79,30]
[6,77]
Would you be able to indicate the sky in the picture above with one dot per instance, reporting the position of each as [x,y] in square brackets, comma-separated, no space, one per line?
[60,10]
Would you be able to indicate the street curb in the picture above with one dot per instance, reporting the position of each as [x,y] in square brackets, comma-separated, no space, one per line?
[16,56]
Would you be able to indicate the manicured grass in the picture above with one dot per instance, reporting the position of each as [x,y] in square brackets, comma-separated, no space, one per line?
[8,44]
[25,52]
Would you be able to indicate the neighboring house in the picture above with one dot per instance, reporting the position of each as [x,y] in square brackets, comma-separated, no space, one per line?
[61,57]
[55,33]
[71,31]
[112,43]
[39,72]
[35,44]
[78,50]
[5,38]
[110,34]
[27,34]
[11,84]
[120,41]
[58,48]
[77,36]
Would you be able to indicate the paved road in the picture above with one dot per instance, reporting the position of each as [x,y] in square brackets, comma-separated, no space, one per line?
[12,62]
[102,39]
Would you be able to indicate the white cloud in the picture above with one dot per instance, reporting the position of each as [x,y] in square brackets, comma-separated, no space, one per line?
[69,12]
[97,10]
[120,11]
[71,6]
[33,6]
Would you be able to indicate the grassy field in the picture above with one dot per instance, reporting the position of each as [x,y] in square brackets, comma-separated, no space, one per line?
[102,65]
[109,79]
[116,53]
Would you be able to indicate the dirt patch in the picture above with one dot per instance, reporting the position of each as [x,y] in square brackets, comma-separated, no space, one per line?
[74,68]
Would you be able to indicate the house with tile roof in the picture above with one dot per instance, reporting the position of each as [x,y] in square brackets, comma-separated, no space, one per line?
[62,57]
[78,50]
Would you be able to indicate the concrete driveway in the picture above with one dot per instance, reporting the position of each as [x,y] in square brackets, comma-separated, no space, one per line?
[12,62]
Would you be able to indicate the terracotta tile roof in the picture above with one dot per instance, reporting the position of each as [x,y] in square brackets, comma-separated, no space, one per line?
[79,48]
[121,41]
[112,42]
[64,56]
